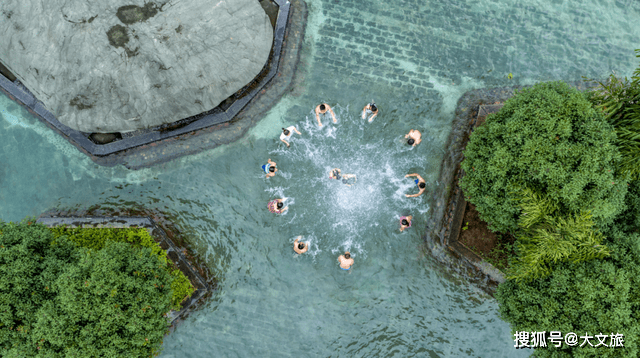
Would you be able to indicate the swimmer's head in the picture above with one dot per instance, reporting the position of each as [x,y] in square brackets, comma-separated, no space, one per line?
[279,205]
[405,222]
[344,181]
[347,255]
[422,185]
[323,107]
[411,141]
[373,107]
[285,131]
[300,245]
[272,169]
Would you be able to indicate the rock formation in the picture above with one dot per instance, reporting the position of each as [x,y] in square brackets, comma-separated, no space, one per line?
[121,65]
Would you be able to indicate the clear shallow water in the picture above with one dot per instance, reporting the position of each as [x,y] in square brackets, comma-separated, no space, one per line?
[396,301]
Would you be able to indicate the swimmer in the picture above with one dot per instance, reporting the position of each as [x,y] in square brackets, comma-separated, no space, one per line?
[414,137]
[335,174]
[300,247]
[405,222]
[345,261]
[287,133]
[270,168]
[276,206]
[346,177]
[419,182]
[370,108]
[322,109]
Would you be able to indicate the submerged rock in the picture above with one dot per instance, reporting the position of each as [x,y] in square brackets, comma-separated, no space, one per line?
[122,65]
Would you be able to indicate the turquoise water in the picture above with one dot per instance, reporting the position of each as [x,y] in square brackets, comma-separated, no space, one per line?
[415,59]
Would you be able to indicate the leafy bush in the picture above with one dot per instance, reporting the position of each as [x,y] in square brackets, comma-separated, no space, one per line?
[619,100]
[97,238]
[591,297]
[548,138]
[545,238]
[111,304]
[58,298]
[29,266]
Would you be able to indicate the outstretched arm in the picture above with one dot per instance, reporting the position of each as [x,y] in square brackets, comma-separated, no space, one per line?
[318,118]
[364,111]
[410,175]
[294,128]
[285,142]
[333,115]
[412,195]
[372,117]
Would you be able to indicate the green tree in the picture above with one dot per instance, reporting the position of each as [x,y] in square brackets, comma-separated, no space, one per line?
[30,263]
[589,297]
[548,138]
[111,304]
[619,100]
[546,238]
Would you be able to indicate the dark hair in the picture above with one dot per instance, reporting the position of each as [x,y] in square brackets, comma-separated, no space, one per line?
[322,107]
[344,181]
[336,173]
[373,107]
[279,204]
[285,131]
[272,169]
[422,185]
[347,256]
[411,141]
[300,245]
[405,222]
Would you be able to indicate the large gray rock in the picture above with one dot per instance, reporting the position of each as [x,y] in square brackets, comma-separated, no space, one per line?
[121,65]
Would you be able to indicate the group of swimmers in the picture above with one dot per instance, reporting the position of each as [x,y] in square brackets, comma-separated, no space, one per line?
[369,112]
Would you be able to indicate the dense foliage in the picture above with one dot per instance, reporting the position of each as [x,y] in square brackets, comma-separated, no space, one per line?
[29,267]
[112,304]
[97,238]
[597,296]
[58,298]
[545,237]
[548,138]
[619,100]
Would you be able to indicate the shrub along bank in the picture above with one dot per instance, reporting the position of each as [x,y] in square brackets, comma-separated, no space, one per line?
[60,298]
[548,169]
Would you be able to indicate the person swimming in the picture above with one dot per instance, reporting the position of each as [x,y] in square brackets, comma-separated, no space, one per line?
[276,206]
[345,261]
[370,108]
[405,222]
[270,168]
[420,183]
[299,246]
[287,133]
[322,109]
[415,137]
[337,174]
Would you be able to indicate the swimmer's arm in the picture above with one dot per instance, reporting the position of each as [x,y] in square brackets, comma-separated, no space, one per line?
[285,142]
[419,140]
[285,208]
[420,178]
[410,175]
[294,128]
[412,195]
[406,135]
[318,118]
[364,111]
[333,115]
[270,162]
[372,117]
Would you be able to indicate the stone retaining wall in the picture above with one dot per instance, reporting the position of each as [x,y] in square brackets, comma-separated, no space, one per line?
[173,253]
[447,203]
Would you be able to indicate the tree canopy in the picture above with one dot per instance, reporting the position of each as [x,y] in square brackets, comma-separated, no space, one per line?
[548,138]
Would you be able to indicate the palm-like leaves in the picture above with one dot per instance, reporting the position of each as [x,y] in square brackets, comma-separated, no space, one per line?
[620,102]
[547,237]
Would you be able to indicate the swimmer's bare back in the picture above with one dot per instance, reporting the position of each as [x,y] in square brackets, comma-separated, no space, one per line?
[320,111]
